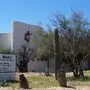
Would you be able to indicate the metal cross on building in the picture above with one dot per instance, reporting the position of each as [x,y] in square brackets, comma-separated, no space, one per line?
[27,36]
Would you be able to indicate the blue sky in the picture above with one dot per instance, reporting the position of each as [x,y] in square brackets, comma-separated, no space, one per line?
[36,11]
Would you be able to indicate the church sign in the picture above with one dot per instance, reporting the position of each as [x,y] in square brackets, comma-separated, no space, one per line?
[7,66]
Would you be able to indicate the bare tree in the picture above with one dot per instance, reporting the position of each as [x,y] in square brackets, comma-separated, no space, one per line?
[24,54]
[45,49]
[74,44]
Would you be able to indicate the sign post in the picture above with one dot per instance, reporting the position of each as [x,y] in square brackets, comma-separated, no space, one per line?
[7,67]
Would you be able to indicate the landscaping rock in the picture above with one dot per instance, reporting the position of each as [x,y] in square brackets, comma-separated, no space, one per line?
[23,82]
[61,77]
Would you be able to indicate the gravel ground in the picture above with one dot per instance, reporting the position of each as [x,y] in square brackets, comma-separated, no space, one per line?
[36,74]
[53,88]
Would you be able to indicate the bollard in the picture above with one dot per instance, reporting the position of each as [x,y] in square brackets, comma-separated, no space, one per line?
[23,82]
[61,77]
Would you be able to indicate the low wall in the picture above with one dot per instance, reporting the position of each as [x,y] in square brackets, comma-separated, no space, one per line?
[36,66]
[41,66]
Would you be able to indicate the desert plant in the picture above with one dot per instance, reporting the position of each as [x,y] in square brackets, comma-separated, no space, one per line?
[57,53]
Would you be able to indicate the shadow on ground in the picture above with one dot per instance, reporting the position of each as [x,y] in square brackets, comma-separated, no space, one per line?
[6,83]
[71,78]
[69,87]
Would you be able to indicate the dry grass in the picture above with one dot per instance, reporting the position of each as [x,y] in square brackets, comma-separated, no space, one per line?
[41,81]
[76,81]
[35,81]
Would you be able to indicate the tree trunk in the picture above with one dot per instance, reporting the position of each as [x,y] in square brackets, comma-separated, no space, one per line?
[75,72]
[57,65]
[23,67]
[20,69]
[47,71]
[81,74]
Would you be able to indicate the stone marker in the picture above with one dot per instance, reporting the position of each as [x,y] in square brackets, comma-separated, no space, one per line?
[61,77]
[23,82]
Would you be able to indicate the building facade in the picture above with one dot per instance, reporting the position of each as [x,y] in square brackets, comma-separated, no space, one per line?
[18,34]
[19,31]
[5,41]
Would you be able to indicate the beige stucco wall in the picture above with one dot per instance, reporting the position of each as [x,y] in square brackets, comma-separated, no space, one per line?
[18,32]
[40,66]
[5,40]
[37,66]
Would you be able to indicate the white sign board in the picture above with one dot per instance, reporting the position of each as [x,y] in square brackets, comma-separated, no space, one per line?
[7,66]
